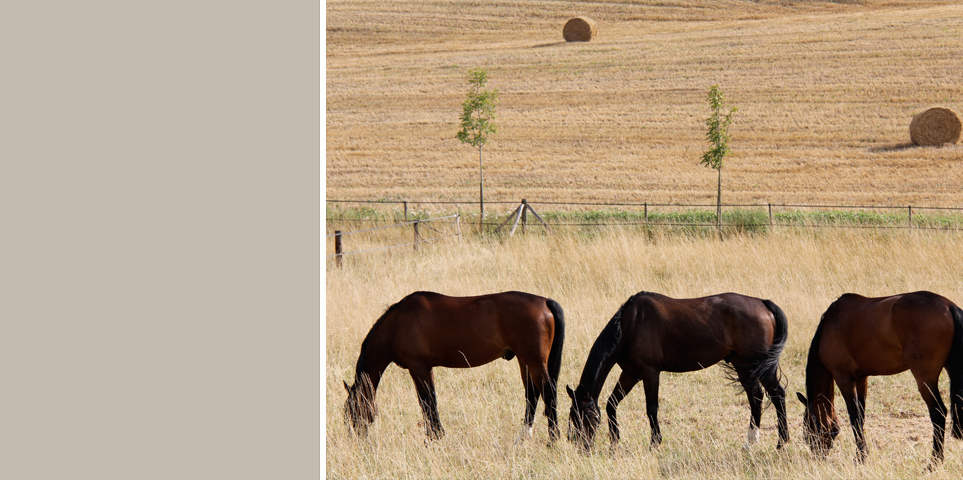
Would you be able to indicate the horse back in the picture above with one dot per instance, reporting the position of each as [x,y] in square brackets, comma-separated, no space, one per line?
[691,334]
[460,332]
[886,335]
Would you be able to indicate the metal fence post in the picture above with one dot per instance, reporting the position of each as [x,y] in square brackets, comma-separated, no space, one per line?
[910,216]
[338,253]
[770,214]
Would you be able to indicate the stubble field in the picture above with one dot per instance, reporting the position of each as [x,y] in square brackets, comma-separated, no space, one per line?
[825,92]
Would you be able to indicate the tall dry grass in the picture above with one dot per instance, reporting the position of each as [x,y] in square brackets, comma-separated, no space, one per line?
[704,419]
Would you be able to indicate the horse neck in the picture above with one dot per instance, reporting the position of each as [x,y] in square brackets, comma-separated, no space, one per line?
[601,359]
[593,376]
[819,387]
[372,363]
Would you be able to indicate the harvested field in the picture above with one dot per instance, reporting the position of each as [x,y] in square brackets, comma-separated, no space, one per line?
[825,92]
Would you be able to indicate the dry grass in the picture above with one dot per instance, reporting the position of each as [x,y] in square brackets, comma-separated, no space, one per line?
[825,92]
[704,419]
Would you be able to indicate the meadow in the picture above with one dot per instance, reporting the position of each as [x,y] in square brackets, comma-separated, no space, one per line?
[825,92]
[704,418]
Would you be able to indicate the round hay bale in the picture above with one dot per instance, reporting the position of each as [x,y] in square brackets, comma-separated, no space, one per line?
[579,29]
[935,126]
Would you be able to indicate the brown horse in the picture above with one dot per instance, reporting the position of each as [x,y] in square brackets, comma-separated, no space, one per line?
[857,337]
[426,329]
[652,333]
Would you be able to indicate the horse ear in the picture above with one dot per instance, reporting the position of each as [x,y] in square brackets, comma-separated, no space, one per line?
[802,398]
[346,387]
[571,393]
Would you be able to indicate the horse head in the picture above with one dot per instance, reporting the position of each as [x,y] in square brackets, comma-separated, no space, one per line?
[820,425]
[583,419]
[360,409]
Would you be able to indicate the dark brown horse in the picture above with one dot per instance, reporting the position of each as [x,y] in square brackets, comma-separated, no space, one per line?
[653,333]
[425,330]
[857,337]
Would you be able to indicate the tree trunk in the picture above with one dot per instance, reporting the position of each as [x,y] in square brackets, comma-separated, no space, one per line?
[481,193]
[719,199]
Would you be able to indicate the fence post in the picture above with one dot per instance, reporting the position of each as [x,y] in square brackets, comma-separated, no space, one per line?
[458,226]
[646,206]
[524,214]
[910,216]
[416,234]
[406,209]
[337,248]
[770,215]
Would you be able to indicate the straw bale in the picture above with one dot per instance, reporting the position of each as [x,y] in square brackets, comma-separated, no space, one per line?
[935,126]
[579,29]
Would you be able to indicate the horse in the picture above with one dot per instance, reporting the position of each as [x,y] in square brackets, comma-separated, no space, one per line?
[857,337]
[652,333]
[427,329]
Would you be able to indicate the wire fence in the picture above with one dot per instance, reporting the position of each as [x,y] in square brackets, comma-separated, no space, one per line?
[391,217]
[420,227]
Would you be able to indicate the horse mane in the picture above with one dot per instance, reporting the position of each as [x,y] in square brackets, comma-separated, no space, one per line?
[814,366]
[603,348]
[360,367]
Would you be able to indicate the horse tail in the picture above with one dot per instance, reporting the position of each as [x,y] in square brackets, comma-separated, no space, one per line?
[766,368]
[954,366]
[555,355]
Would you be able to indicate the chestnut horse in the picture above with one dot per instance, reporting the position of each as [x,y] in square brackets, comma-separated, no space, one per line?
[652,333]
[426,329]
[857,337]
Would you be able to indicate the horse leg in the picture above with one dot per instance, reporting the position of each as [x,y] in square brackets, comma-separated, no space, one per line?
[425,386]
[930,391]
[622,388]
[537,383]
[650,384]
[531,402]
[777,394]
[854,393]
[754,393]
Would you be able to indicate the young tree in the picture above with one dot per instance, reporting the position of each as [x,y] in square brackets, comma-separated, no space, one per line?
[717,132]
[477,123]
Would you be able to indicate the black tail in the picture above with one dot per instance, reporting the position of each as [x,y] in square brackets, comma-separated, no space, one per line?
[555,356]
[954,366]
[766,367]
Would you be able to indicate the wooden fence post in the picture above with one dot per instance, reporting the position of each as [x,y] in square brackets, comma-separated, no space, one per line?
[338,253]
[416,235]
[524,214]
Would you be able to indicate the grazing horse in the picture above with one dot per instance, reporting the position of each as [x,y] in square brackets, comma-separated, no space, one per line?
[652,333]
[857,337]
[426,329]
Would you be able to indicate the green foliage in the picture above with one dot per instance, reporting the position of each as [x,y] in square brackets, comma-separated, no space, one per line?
[478,110]
[717,129]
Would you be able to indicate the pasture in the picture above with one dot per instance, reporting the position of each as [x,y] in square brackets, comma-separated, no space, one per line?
[825,92]
[704,419]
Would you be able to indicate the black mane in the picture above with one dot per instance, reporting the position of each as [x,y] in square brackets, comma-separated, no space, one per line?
[603,348]
[359,368]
